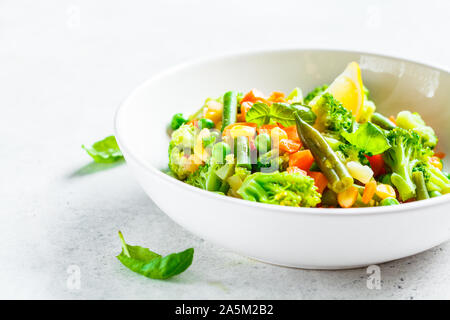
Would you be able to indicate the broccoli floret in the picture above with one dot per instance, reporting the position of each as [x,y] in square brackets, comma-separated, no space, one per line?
[409,120]
[288,189]
[353,153]
[205,178]
[331,115]
[402,157]
[435,179]
[181,146]
[367,111]
[316,92]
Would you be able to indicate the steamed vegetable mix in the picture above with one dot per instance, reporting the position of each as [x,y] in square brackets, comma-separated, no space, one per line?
[329,149]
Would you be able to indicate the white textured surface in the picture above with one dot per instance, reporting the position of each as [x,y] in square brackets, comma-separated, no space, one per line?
[62,78]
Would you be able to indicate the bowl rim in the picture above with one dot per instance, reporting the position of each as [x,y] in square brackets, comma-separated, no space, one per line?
[362,211]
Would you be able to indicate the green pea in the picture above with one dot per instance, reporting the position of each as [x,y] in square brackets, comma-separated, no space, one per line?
[219,151]
[205,123]
[263,143]
[389,201]
[434,194]
[177,121]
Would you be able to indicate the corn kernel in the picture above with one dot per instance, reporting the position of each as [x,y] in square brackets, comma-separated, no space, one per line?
[242,131]
[385,191]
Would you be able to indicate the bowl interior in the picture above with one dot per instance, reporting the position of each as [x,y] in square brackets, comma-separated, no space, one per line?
[394,84]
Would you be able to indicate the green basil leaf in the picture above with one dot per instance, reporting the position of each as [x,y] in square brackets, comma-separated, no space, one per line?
[259,113]
[369,138]
[152,265]
[282,113]
[105,151]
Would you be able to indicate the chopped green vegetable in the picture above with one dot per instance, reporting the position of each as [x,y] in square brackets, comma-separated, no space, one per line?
[382,121]
[105,151]
[177,121]
[263,143]
[289,189]
[339,179]
[151,264]
[434,178]
[389,202]
[402,157]
[230,106]
[332,115]
[182,141]
[369,138]
[314,93]
[261,114]
[296,95]
[409,120]
[205,123]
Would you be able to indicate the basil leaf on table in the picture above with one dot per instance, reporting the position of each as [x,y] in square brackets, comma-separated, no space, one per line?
[261,114]
[105,151]
[151,264]
[369,138]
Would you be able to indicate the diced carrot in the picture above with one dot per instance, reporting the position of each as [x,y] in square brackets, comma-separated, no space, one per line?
[377,164]
[435,162]
[245,106]
[392,118]
[289,146]
[296,170]
[369,191]
[254,96]
[439,154]
[347,198]
[277,96]
[302,159]
[320,180]
[292,133]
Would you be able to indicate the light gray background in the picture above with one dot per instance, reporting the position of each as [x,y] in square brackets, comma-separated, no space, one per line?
[64,68]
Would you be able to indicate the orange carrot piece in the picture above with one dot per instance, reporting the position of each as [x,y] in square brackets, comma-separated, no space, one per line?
[289,146]
[369,191]
[254,96]
[292,133]
[302,159]
[277,96]
[320,180]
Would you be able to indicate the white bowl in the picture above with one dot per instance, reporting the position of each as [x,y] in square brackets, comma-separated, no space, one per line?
[296,237]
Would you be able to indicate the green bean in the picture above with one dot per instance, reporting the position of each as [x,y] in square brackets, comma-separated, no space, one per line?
[229,108]
[434,194]
[334,170]
[329,198]
[389,202]
[242,152]
[263,143]
[219,151]
[421,188]
[382,121]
